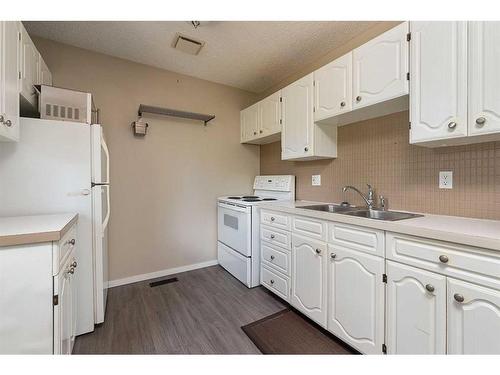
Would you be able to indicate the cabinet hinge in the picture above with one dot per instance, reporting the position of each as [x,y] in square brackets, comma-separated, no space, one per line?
[384,278]
[314,83]
[19,75]
[384,349]
[55,300]
[314,109]
[19,35]
[409,125]
[281,99]
[281,121]
[408,76]
[408,37]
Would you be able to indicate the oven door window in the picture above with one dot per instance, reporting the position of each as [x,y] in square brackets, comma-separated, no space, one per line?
[234,229]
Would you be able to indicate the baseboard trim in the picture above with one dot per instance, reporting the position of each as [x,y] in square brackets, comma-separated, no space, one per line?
[161,273]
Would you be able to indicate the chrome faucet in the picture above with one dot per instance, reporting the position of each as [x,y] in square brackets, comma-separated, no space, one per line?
[370,202]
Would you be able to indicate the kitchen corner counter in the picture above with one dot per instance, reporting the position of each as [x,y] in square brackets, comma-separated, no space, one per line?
[467,231]
[21,230]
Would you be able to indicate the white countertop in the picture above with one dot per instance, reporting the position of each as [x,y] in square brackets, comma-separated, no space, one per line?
[467,231]
[20,230]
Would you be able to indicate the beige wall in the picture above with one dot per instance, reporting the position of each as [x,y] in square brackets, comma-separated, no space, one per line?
[164,186]
[378,152]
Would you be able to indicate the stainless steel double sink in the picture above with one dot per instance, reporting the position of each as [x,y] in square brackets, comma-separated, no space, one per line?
[362,212]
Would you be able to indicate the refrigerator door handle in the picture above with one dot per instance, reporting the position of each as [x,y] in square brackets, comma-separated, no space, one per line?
[108,211]
[106,151]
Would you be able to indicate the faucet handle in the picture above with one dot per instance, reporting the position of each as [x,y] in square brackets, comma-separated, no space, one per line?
[383,203]
[370,191]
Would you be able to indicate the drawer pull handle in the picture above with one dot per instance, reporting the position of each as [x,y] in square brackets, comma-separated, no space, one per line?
[74,264]
[272,257]
[358,98]
[306,149]
[72,241]
[452,125]
[480,121]
[430,288]
[318,251]
[272,236]
[272,281]
[71,270]
[459,298]
[443,259]
[272,218]
[333,255]
[8,123]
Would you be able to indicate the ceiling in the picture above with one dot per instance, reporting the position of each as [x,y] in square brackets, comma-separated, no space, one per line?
[251,55]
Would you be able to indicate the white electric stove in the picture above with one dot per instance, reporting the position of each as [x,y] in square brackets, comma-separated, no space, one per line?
[238,245]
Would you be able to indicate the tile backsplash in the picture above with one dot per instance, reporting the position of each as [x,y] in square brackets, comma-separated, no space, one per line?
[377,151]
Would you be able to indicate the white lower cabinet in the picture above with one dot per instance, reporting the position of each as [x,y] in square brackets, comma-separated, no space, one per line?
[473,319]
[356,298]
[309,279]
[416,310]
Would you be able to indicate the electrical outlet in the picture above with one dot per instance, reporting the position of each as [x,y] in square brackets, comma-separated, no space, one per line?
[316,180]
[446,180]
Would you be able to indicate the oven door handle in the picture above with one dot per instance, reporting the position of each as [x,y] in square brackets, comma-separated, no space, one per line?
[234,207]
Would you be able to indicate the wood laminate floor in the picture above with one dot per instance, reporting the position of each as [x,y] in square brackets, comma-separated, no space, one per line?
[202,313]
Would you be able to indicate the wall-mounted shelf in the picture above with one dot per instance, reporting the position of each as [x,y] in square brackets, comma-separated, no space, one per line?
[174,113]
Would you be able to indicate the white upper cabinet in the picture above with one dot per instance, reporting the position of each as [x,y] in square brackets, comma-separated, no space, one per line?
[484,78]
[333,88]
[309,277]
[30,59]
[356,298]
[473,319]
[416,311]
[9,81]
[438,67]
[380,68]
[249,121]
[298,123]
[44,74]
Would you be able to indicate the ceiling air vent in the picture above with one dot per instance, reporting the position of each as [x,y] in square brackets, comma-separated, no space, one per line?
[186,44]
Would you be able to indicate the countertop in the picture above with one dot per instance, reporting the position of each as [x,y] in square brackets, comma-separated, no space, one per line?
[22,230]
[467,231]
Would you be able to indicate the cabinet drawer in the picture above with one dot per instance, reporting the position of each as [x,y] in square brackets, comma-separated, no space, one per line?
[275,282]
[309,227]
[275,257]
[275,220]
[475,264]
[370,241]
[62,248]
[276,236]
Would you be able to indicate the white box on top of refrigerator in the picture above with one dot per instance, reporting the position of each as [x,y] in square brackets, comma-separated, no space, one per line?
[65,105]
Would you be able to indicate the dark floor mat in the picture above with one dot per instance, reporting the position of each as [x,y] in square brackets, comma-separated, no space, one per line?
[287,332]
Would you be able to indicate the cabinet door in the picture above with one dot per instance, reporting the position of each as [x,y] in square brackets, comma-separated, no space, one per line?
[249,122]
[270,115]
[356,298]
[297,116]
[333,88]
[416,311]
[309,277]
[473,319]
[9,81]
[484,80]
[380,67]
[29,67]
[438,71]
[44,75]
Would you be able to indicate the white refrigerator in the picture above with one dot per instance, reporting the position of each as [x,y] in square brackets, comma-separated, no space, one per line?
[57,167]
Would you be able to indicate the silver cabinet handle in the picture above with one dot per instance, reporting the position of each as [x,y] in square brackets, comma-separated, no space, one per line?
[260,131]
[272,218]
[458,297]
[430,288]
[74,264]
[452,125]
[272,257]
[480,121]
[254,133]
[318,251]
[272,281]
[8,123]
[333,255]
[2,119]
[443,259]
[72,241]
[358,98]
[342,104]
[306,149]
[272,236]
[71,270]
